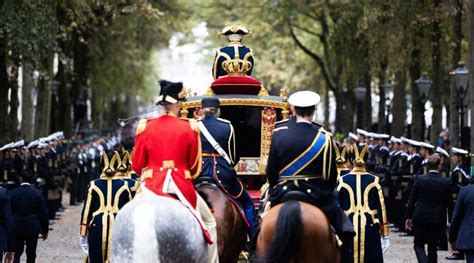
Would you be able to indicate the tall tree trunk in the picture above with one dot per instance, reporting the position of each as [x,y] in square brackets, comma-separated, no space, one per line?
[436,73]
[471,76]
[14,100]
[4,87]
[43,108]
[382,95]
[65,103]
[471,73]
[79,82]
[368,101]
[456,5]
[326,106]
[417,109]
[399,104]
[27,102]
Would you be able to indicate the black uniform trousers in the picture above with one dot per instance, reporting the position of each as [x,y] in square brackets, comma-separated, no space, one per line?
[31,241]
[427,234]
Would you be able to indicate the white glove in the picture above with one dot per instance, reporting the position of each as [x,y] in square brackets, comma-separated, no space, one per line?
[84,244]
[385,241]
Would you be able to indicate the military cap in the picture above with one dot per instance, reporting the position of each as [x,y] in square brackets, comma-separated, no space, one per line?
[414,143]
[7,147]
[384,136]
[234,29]
[19,144]
[458,151]
[211,102]
[363,132]
[442,151]
[171,92]
[304,98]
[426,145]
[33,144]
[352,136]
[394,139]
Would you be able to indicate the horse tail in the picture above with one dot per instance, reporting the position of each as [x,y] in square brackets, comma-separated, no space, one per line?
[288,233]
[145,240]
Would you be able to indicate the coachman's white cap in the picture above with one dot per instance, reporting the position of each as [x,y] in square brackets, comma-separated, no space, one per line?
[304,98]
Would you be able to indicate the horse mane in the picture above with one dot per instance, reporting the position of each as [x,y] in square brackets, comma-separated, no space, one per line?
[288,234]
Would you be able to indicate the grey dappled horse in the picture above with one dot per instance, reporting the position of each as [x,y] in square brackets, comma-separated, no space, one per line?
[153,228]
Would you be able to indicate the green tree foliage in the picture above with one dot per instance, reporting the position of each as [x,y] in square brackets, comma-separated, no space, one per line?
[104,50]
[345,43]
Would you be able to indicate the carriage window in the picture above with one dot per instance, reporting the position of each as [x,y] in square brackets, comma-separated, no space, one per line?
[247,125]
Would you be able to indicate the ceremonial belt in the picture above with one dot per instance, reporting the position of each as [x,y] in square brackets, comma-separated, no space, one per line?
[213,142]
[302,161]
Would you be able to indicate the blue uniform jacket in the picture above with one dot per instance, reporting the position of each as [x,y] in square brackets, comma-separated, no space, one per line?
[462,229]
[216,166]
[7,224]
[29,210]
[228,53]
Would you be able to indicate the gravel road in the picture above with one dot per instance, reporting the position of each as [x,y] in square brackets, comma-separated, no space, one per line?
[63,243]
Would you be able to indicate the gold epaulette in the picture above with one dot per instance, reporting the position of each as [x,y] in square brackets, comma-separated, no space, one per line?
[193,124]
[141,126]
[224,120]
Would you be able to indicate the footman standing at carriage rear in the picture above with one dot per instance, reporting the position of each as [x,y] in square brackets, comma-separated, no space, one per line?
[167,157]
[220,155]
[361,197]
[302,159]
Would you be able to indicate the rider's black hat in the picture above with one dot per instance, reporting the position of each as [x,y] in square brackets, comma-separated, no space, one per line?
[211,102]
[171,92]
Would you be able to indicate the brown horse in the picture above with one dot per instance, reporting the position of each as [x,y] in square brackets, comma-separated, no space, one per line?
[296,232]
[231,229]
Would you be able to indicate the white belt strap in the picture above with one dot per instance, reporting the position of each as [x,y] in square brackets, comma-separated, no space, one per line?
[213,142]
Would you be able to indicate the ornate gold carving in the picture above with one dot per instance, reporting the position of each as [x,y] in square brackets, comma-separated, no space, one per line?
[263,91]
[241,102]
[268,124]
[236,66]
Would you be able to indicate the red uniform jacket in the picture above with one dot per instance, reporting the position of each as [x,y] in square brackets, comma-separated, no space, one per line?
[168,142]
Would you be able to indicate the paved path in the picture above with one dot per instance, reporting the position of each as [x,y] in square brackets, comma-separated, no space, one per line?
[63,243]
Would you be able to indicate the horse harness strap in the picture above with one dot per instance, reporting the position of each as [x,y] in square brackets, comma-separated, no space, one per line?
[213,142]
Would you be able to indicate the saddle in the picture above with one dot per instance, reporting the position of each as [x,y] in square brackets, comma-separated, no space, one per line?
[200,181]
[296,195]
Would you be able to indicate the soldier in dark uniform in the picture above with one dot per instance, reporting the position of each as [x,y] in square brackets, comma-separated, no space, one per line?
[426,212]
[302,158]
[445,161]
[105,196]
[374,148]
[361,197]
[426,150]
[458,178]
[7,164]
[235,50]
[220,156]
[400,184]
[413,164]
